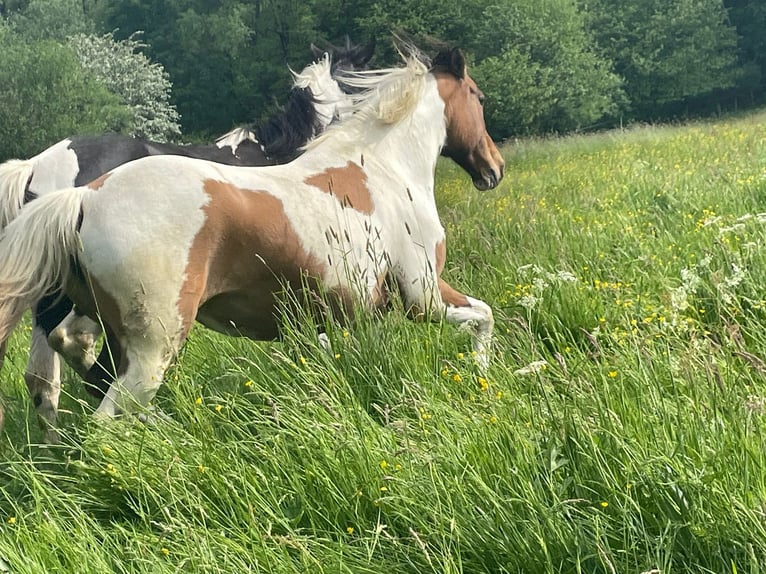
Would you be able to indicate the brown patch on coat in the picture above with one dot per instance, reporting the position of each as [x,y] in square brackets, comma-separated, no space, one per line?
[348,184]
[99,181]
[245,254]
[449,295]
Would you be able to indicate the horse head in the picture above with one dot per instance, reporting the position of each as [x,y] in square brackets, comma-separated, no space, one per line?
[348,58]
[468,142]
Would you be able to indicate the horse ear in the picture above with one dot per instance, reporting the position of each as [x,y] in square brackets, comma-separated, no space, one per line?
[317,52]
[452,61]
[364,53]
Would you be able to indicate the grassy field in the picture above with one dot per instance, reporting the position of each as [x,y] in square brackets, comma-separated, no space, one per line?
[620,429]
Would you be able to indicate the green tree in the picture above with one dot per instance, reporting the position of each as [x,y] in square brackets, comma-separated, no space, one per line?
[46,96]
[749,18]
[50,20]
[539,71]
[229,60]
[226,59]
[667,52]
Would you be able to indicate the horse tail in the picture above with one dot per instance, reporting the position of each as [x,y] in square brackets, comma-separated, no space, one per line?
[15,175]
[36,250]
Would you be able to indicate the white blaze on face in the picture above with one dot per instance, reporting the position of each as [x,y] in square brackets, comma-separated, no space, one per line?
[61,169]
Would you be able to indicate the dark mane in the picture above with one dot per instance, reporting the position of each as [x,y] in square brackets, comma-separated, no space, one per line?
[283,134]
[348,57]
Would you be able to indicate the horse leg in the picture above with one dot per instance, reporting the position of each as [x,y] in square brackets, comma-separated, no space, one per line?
[75,339]
[144,361]
[464,310]
[144,351]
[43,379]
[103,372]
[2,353]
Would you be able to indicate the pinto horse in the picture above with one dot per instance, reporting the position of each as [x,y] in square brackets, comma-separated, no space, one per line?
[157,243]
[315,100]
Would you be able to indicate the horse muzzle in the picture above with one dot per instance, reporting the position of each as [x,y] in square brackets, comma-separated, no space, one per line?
[489,179]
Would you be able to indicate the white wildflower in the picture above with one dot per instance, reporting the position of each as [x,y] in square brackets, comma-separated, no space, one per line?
[736,229]
[529,301]
[737,276]
[566,276]
[711,221]
[531,368]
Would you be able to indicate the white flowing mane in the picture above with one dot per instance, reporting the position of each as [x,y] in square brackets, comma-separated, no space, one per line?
[328,97]
[236,137]
[313,74]
[388,95]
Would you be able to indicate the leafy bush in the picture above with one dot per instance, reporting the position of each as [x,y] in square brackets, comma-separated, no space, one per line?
[142,85]
[45,96]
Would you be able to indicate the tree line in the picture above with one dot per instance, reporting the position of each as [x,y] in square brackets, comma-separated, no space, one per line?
[192,69]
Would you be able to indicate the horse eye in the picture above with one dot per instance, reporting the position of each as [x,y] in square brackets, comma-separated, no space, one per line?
[479,95]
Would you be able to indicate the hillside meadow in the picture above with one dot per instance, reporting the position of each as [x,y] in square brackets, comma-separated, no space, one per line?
[620,427]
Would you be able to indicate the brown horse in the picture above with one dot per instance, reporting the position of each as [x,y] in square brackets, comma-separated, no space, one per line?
[162,241]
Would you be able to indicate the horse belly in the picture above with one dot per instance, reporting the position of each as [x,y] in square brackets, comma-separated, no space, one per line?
[241,315]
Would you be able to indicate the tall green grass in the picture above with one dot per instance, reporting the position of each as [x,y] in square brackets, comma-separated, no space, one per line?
[620,427]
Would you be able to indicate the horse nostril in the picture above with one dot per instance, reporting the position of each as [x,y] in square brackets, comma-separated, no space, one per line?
[498,173]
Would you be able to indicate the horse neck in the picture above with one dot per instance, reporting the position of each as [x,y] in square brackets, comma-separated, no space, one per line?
[410,147]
